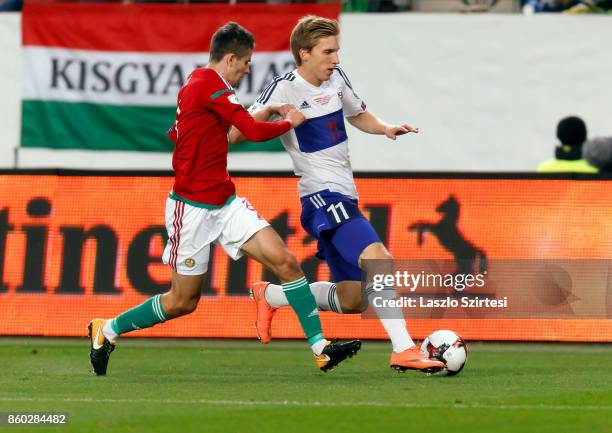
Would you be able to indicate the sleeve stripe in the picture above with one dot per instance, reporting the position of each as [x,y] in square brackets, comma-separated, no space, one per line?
[344,77]
[267,88]
[221,92]
[267,93]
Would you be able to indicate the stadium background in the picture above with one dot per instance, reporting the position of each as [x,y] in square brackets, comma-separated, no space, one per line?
[81,222]
[468,96]
[486,90]
[64,264]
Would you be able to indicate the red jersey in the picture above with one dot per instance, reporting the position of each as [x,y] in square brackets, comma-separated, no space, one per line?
[207,107]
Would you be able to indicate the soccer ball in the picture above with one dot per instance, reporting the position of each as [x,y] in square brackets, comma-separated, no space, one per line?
[448,347]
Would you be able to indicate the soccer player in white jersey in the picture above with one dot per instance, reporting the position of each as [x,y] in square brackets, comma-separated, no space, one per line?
[319,150]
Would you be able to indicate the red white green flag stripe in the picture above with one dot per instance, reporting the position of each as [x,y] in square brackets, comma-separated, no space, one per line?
[106,76]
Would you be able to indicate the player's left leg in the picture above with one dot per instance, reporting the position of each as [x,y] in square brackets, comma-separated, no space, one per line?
[246,233]
[358,244]
[339,298]
[181,299]
[351,248]
[190,233]
[375,258]
[268,248]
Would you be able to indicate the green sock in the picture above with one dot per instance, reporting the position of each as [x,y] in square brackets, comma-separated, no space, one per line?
[303,303]
[145,315]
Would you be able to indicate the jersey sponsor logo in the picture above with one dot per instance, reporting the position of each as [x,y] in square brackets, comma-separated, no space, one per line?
[322,100]
[340,95]
[304,105]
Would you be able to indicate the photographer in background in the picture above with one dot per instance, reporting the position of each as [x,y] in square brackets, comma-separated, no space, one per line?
[572,133]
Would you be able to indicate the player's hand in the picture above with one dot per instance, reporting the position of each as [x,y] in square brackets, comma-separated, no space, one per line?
[295,117]
[393,131]
[283,109]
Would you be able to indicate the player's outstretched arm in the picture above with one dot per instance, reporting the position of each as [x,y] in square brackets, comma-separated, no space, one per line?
[368,122]
[255,127]
[261,114]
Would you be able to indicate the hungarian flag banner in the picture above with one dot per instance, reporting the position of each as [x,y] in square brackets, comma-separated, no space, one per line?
[106,76]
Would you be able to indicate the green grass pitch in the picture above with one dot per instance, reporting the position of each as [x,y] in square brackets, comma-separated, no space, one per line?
[241,386]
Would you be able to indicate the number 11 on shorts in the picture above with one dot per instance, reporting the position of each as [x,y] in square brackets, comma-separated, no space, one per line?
[334,210]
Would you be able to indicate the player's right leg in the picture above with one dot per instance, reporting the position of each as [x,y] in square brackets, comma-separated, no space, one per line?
[348,247]
[343,297]
[187,252]
[268,248]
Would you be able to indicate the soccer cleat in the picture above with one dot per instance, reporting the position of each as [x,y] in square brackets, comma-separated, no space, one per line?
[265,312]
[101,347]
[334,353]
[414,359]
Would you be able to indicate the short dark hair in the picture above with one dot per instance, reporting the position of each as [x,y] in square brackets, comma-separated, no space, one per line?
[231,38]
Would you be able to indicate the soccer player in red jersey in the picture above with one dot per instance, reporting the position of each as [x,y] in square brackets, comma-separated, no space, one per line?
[203,207]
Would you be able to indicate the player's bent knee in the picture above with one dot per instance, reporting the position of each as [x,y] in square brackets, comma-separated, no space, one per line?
[375,251]
[353,307]
[188,306]
[287,267]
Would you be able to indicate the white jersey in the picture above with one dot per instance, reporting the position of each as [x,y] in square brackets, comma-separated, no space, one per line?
[318,147]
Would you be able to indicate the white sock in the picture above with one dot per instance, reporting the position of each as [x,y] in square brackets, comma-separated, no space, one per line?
[326,296]
[392,319]
[323,291]
[318,347]
[108,331]
[275,296]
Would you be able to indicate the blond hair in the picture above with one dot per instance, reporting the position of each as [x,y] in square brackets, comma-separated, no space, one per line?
[308,31]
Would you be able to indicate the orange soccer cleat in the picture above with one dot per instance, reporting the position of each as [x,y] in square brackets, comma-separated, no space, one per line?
[414,359]
[265,312]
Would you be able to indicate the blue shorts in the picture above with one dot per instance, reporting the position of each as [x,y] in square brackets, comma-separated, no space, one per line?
[341,230]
